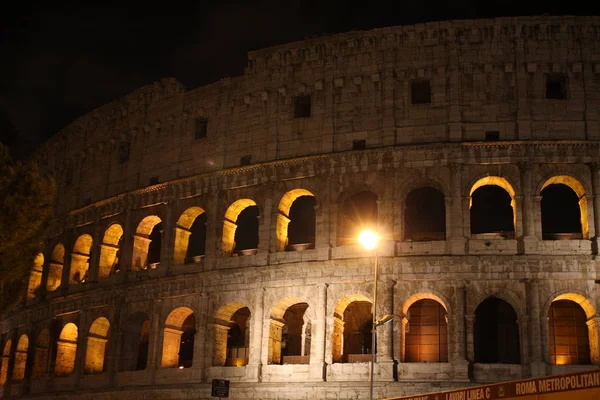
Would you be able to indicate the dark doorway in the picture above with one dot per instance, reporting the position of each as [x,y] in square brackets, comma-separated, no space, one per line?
[491,211]
[246,233]
[496,333]
[301,228]
[155,243]
[425,215]
[561,214]
[197,240]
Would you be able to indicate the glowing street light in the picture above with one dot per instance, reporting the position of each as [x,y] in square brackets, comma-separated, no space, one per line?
[368,239]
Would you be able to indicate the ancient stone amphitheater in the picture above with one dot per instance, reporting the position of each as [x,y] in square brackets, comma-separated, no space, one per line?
[211,233]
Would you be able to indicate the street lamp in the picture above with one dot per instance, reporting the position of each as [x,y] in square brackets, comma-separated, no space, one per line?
[369,240]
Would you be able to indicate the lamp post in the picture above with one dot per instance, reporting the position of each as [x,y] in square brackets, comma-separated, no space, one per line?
[369,239]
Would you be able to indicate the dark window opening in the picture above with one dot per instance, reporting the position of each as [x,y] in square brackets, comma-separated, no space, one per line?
[186,345]
[561,214]
[197,239]
[425,215]
[420,91]
[569,337]
[426,332]
[492,136]
[556,86]
[245,160]
[238,338]
[491,212]
[496,333]
[200,126]
[153,181]
[358,212]
[155,244]
[301,229]
[292,334]
[124,149]
[358,324]
[246,233]
[302,106]
[359,144]
[134,343]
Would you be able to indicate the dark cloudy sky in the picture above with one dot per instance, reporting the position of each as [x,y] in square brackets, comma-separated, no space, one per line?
[60,60]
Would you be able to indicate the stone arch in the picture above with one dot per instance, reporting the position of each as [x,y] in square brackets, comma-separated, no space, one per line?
[591,317]
[80,259]
[178,338]
[188,227]
[110,249]
[20,362]
[286,228]
[55,267]
[289,339]
[416,183]
[41,355]
[5,362]
[230,225]
[95,354]
[135,339]
[231,336]
[352,325]
[357,211]
[496,333]
[66,350]
[425,214]
[507,295]
[147,243]
[576,186]
[422,295]
[478,211]
[35,276]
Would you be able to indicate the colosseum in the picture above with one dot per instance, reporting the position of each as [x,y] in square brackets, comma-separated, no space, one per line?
[210,233]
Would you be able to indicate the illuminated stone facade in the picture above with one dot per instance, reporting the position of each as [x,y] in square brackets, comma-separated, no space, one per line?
[394,128]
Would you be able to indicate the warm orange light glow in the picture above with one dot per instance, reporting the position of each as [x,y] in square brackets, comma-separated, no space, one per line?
[562,360]
[368,239]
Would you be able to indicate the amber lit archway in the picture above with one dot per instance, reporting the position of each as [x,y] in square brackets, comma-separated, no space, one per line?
[66,350]
[145,244]
[479,214]
[286,228]
[230,224]
[178,338]
[80,259]
[561,210]
[109,251]
[55,267]
[35,276]
[185,233]
[95,353]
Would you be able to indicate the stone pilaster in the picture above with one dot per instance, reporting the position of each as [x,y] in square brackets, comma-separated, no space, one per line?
[317,356]
[455,233]
[254,367]
[536,345]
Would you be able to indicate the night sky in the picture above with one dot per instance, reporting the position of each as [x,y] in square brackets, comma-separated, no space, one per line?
[58,61]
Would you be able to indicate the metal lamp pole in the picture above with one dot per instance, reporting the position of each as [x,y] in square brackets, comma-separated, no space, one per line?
[373,334]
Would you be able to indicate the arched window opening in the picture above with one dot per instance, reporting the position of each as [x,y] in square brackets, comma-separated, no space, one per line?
[178,339]
[246,234]
[287,337]
[135,338]
[96,348]
[35,277]
[569,334]
[66,350]
[20,358]
[358,212]
[110,261]
[492,212]
[5,361]
[41,356]
[190,236]
[296,221]
[496,333]
[231,335]
[147,243]
[357,327]
[425,215]
[426,338]
[561,213]
[55,267]
[80,259]
[240,228]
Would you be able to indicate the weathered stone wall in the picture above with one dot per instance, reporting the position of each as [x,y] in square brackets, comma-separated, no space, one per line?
[486,75]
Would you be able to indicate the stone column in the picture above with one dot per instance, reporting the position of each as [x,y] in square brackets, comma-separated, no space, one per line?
[333,211]
[469,332]
[167,239]
[264,226]
[66,269]
[537,216]
[317,356]
[154,345]
[528,213]
[593,324]
[535,329]
[455,232]
[94,264]
[126,251]
[254,368]
[458,353]
[385,333]
[200,338]
[523,323]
